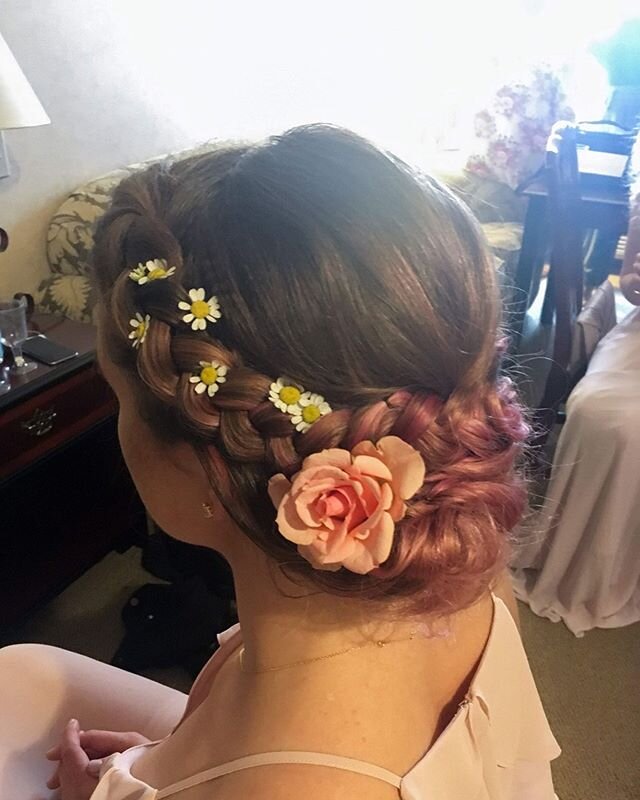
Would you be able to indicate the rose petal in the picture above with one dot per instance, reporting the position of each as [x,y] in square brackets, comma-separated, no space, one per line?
[360,531]
[351,511]
[335,506]
[360,562]
[355,518]
[304,503]
[374,466]
[405,463]
[365,448]
[374,550]
[277,488]
[386,496]
[371,494]
[380,539]
[320,471]
[357,512]
[397,509]
[323,477]
[330,457]
[312,557]
[338,546]
[291,526]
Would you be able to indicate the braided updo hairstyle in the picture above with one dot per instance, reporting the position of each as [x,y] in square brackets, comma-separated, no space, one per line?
[337,266]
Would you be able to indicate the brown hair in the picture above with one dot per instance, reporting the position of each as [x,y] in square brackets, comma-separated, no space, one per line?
[339,267]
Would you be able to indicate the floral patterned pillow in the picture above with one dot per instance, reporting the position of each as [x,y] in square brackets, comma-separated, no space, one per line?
[69,290]
[72,296]
[512,133]
[70,234]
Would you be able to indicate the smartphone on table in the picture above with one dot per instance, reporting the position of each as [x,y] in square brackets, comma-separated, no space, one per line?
[47,352]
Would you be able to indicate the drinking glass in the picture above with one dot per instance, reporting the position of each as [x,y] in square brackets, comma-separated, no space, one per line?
[13,332]
[5,385]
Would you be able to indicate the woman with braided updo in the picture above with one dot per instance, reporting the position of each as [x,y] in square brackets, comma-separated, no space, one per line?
[304,337]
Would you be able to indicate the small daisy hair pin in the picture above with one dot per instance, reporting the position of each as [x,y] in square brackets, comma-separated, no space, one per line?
[200,311]
[209,377]
[310,408]
[285,394]
[140,327]
[155,270]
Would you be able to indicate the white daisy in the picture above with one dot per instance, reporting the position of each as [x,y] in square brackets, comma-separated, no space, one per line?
[311,408]
[139,274]
[285,394]
[209,377]
[154,270]
[200,310]
[140,327]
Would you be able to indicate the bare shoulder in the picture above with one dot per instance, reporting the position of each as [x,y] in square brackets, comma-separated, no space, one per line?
[292,782]
[393,721]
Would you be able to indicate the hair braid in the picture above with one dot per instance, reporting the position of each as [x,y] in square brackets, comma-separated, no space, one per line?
[172,353]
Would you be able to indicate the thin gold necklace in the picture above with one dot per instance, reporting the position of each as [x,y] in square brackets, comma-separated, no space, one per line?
[379,643]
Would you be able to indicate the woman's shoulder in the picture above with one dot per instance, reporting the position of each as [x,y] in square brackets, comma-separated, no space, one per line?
[500,726]
[484,739]
[483,736]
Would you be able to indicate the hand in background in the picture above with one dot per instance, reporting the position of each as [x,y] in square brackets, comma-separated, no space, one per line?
[71,776]
[96,745]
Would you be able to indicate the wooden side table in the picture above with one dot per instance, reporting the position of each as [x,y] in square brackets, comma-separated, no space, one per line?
[66,498]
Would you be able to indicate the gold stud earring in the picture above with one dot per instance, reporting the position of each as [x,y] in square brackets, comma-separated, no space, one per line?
[208,511]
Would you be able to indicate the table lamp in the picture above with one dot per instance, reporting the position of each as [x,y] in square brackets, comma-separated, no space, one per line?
[19,108]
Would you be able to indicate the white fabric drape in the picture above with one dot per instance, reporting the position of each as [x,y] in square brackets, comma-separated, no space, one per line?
[579,559]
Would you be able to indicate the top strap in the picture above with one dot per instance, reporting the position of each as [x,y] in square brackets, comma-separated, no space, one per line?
[283,757]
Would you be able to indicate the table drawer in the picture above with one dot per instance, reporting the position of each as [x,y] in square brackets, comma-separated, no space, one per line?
[52,418]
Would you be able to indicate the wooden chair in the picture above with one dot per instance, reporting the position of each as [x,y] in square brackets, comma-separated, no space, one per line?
[575,204]
[565,281]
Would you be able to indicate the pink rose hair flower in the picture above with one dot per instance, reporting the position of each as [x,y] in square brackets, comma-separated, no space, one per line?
[341,507]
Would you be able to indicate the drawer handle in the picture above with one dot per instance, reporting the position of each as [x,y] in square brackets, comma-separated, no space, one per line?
[40,423]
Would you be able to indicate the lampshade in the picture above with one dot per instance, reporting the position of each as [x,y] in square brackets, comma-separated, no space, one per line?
[19,106]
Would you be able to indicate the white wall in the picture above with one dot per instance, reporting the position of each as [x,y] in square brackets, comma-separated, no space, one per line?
[82,61]
[103,112]
[123,80]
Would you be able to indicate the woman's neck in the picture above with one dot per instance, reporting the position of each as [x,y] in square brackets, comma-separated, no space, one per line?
[285,623]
